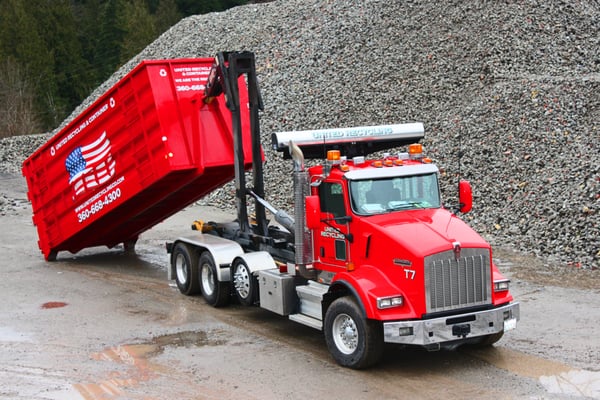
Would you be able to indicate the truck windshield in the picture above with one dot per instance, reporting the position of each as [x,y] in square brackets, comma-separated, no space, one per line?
[377,196]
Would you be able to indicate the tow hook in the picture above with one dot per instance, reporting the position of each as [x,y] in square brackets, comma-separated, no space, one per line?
[461,330]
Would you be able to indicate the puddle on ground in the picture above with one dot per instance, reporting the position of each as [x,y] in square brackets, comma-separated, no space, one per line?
[557,378]
[187,339]
[139,367]
[519,363]
[53,304]
[8,334]
[574,383]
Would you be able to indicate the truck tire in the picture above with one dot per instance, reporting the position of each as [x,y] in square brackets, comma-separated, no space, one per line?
[245,283]
[214,292]
[185,264]
[352,340]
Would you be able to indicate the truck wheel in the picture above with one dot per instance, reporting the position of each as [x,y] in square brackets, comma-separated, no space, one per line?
[354,341]
[214,292]
[186,270]
[244,283]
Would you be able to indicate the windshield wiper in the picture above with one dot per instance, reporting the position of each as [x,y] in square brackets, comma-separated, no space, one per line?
[405,205]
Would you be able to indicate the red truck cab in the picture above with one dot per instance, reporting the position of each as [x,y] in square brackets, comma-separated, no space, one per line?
[380,231]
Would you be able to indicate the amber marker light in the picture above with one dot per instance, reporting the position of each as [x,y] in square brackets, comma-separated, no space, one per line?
[415,148]
[333,155]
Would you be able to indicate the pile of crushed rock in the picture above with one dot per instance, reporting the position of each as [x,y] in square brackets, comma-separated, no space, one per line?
[512,86]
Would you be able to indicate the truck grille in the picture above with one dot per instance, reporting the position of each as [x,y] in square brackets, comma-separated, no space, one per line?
[452,283]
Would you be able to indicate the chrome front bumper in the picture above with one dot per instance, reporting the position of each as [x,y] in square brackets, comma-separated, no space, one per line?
[452,328]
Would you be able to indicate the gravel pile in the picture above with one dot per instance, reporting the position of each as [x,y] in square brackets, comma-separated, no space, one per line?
[514,84]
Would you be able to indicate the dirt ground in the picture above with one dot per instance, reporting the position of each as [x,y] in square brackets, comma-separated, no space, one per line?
[103,324]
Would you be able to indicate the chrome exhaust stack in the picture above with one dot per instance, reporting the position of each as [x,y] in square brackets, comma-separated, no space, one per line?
[302,235]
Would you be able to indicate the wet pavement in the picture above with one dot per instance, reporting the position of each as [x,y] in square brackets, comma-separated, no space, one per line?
[103,324]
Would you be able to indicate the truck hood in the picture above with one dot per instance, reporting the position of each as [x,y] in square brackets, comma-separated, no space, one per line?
[424,232]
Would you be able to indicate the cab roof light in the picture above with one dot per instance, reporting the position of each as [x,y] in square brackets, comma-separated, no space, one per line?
[334,156]
[415,151]
[343,164]
[415,148]
[358,160]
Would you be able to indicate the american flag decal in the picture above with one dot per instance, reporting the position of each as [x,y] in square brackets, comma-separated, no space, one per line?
[91,165]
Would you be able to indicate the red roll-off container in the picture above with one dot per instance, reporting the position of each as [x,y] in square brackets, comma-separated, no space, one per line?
[146,149]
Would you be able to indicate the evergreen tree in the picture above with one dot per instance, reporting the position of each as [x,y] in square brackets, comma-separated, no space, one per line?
[22,41]
[166,15]
[192,7]
[69,79]
[87,15]
[139,27]
[54,52]
[17,107]
[111,34]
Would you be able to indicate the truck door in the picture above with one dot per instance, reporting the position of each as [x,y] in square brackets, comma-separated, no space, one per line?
[331,246]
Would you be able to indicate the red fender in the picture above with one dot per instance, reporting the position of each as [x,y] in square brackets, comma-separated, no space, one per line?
[368,283]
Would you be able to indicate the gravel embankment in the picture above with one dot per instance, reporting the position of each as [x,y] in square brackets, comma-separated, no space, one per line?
[518,82]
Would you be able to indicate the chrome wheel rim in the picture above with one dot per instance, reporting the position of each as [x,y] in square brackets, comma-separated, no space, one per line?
[345,333]
[208,283]
[180,269]
[241,279]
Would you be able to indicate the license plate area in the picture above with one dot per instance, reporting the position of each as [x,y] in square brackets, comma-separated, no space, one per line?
[510,324]
[461,330]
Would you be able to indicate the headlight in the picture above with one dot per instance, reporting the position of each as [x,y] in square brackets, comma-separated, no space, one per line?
[501,286]
[388,302]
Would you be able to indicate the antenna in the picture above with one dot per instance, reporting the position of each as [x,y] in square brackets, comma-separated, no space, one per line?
[460,154]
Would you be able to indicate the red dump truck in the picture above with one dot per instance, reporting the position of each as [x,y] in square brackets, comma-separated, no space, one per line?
[370,256]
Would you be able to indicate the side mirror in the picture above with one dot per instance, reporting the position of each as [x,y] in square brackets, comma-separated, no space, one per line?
[313,212]
[465,196]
